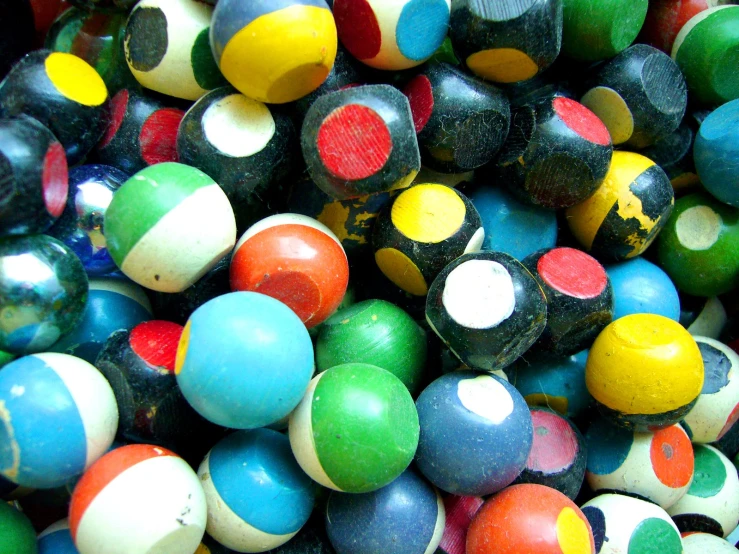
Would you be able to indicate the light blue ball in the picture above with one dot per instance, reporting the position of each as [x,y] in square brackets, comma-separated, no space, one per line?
[716,153]
[640,287]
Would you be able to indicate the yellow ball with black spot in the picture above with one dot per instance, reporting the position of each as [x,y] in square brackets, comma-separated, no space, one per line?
[426,227]
[622,218]
[274,51]
[645,372]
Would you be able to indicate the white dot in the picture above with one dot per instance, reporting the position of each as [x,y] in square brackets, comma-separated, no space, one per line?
[478,294]
[238,126]
[486,397]
[698,228]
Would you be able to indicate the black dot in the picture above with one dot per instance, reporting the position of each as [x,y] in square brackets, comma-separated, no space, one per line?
[156,277]
[597,521]
[146,38]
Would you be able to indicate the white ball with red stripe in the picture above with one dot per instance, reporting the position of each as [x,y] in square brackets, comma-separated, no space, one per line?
[138,499]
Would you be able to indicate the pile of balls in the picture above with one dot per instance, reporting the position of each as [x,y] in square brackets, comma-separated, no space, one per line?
[369,276]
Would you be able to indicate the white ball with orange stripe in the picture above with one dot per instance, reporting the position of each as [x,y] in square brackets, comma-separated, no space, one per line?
[138,499]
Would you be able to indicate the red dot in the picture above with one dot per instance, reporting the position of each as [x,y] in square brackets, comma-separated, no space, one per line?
[118,106]
[158,136]
[54,179]
[555,444]
[582,121]
[421,98]
[672,457]
[156,342]
[354,142]
[357,28]
[572,272]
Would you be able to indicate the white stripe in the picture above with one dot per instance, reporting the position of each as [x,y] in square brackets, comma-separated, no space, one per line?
[691,24]
[131,290]
[439,527]
[475,244]
[285,219]
[711,321]
[60,525]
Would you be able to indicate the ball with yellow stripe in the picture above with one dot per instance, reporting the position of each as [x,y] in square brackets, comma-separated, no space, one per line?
[426,227]
[622,218]
[274,51]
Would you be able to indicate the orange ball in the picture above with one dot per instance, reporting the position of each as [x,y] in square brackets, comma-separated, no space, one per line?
[530,518]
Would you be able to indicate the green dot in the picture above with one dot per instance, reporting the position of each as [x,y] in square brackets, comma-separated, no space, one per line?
[655,536]
[710,473]
[17,535]
[204,67]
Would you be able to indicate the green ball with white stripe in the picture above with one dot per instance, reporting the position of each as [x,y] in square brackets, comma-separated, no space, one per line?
[168,225]
[356,429]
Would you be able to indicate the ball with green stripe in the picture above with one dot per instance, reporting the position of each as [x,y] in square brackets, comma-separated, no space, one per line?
[356,429]
[168,225]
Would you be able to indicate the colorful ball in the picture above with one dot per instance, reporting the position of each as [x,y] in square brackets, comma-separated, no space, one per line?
[168,225]
[645,371]
[640,287]
[374,332]
[530,518]
[295,259]
[274,51]
[699,247]
[59,416]
[80,226]
[168,48]
[716,149]
[405,517]
[57,539]
[426,227]
[476,433]
[43,291]
[17,532]
[258,497]
[654,466]
[625,524]
[711,504]
[487,308]
[356,429]
[460,511]
[622,218]
[244,360]
[138,498]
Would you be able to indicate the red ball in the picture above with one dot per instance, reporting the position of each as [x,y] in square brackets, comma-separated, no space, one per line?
[530,518]
[296,260]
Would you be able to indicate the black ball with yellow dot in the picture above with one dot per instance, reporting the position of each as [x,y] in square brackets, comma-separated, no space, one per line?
[64,93]
[487,308]
[507,41]
[461,121]
[425,228]
[556,155]
[622,218]
[640,95]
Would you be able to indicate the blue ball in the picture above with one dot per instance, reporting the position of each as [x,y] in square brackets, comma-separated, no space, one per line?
[80,226]
[640,287]
[258,497]
[57,539]
[511,226]
[716,152]
[476,433]
[244,360]
[405,517]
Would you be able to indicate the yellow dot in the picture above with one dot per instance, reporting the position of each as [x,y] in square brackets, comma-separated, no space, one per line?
[401,270]
[428,213]
[75,79]
[182,349]
[502,65]
[612,110]
[573,534]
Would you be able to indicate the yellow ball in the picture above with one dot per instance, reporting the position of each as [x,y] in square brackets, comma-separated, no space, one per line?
[645,371]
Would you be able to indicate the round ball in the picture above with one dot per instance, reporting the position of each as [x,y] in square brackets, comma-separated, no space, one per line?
[18,534]
[529,518]
[640,287]
[717,409]
[43,291]
[625,524]
[645,372]
[704,543]
[274,52]
[39,389]
[168,225]
[356,429]
[476,433]
[56,539]
[258,497]
[716,149]
[405,517]
[295,259]
[244,360]
[655,466]
[138,498]
[374,332]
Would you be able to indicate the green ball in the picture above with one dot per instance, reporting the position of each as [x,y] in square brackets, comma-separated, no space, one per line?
[699,246]
[17,535]
[356,429]
[374,332]
[599,29]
